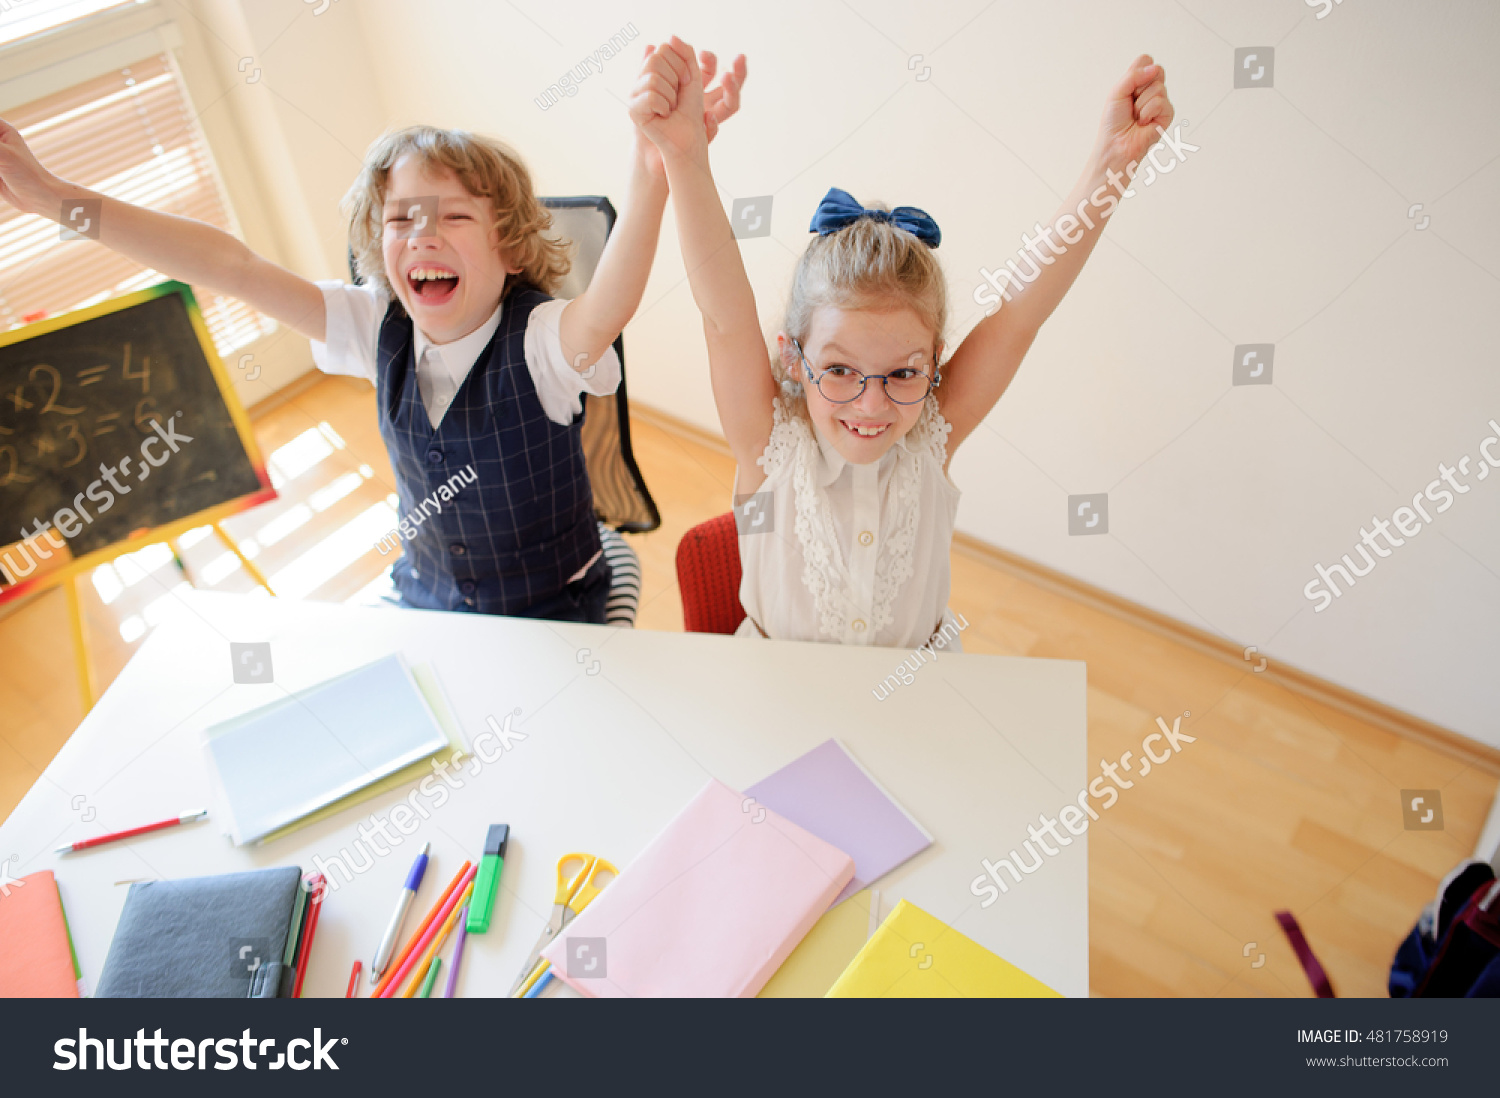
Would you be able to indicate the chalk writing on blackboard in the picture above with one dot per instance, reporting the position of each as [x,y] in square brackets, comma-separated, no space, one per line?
[96,410]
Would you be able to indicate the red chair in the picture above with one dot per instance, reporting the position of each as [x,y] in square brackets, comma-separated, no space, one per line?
[708,574]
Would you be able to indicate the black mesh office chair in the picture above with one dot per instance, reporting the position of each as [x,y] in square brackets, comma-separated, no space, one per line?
[621,498]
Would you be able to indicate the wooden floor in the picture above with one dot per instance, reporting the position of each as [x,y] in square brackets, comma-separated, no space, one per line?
[1276,804]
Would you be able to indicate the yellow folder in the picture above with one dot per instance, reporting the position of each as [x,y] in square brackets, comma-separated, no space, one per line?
[915,956]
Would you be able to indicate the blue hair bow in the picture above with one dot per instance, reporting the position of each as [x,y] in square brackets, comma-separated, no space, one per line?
[839,209]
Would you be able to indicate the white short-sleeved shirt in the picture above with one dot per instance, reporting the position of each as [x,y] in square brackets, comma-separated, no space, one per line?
[854,554]
[352,339]
[353,332]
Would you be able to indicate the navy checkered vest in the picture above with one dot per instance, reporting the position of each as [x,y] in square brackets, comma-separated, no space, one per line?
[521,518]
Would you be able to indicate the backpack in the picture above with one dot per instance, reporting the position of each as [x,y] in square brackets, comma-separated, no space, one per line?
[1454,950]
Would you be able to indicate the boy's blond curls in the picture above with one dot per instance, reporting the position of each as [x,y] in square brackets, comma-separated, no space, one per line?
[487,169]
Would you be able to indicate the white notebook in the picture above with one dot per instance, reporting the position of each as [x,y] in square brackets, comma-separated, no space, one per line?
[277,763]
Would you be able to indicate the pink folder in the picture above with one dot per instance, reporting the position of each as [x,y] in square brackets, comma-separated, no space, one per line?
[711,908]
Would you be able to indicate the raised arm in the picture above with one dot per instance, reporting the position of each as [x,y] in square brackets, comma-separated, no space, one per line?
[738,363]
[591,321]
[984,364]
[179,247]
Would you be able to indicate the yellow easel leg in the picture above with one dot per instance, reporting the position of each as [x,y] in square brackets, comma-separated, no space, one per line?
[255,573]
[80,645]
[179,562]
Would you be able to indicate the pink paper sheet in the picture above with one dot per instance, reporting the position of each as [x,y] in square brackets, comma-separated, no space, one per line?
[711,908]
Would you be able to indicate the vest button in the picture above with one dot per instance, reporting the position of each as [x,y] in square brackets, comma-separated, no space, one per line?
[434,457]
[859,625]
[468,587]
[468,602]
[866,538]
[457,549]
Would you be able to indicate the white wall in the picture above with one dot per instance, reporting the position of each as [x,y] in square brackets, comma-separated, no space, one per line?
[288,132]
[1289,226]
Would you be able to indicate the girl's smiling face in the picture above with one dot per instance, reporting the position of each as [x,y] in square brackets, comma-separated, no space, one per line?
[871,341]
[445,265]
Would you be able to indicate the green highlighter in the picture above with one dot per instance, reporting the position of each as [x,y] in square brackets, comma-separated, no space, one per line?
[487,881]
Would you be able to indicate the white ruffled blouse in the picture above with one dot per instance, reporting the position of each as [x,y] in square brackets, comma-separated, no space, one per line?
[844,553]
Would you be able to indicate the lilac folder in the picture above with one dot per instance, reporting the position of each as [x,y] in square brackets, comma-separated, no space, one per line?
[830,794]
[712,907]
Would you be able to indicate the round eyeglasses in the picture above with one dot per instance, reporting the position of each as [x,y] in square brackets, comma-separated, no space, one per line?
[844,384]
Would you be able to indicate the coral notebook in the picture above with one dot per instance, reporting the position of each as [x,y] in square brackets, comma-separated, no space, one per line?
[36,954]
[915,956]
[711,907]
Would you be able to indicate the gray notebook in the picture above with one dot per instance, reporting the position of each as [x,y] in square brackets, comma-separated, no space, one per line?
[285,760]
[221,937]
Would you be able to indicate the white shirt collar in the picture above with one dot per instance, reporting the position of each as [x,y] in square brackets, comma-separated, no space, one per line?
[460,355]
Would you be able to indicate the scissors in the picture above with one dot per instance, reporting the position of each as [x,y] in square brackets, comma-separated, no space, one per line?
[577,885]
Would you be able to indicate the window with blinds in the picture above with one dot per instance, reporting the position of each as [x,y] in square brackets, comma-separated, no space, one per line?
[19,18]
[129,135]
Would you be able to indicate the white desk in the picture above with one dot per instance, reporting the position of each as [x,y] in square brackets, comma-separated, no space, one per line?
[975,748]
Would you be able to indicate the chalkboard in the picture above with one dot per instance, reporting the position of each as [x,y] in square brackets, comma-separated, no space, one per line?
[117,418]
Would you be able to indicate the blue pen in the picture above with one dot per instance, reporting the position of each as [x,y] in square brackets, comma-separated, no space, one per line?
[392,932]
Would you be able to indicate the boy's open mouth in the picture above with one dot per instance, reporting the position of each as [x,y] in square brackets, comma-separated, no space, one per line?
[432,284]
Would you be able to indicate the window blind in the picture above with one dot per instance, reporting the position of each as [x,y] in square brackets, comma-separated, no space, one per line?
[128,135]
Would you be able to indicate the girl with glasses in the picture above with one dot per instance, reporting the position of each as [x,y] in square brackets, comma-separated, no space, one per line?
[842,443]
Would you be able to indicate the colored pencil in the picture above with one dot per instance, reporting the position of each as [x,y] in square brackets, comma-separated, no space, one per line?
[354,980]
[540,986]
[458,952]
[390,973]
[430,953]
[116,836]
[420,947]
[531,979]
[317,887]
[437,963]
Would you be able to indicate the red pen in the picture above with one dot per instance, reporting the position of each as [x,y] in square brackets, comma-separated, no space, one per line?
[84,844]
[354,980]
[316,885]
